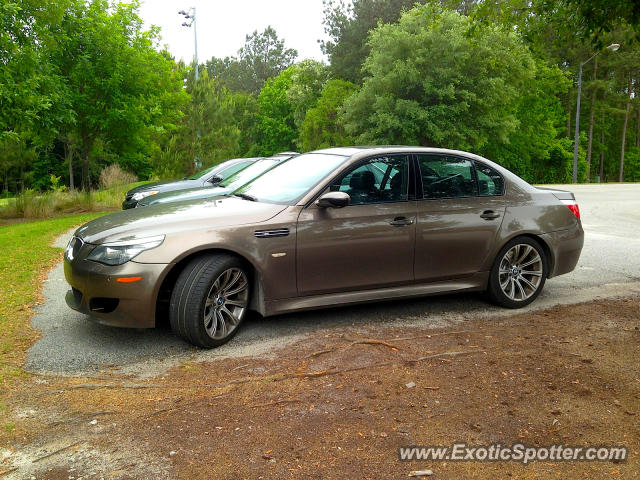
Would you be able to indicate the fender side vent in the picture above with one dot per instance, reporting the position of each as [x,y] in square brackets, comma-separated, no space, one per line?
[276,232]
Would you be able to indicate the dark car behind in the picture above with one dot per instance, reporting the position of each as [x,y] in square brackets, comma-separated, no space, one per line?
[206,178]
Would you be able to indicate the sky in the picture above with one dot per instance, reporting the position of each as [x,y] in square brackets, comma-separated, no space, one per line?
[223,24]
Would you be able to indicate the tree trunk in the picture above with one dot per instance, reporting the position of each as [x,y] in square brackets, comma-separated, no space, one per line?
[591,113]
[87,144]
[637,125]
[601,172]
[569,117]
[68,153]
[624,131]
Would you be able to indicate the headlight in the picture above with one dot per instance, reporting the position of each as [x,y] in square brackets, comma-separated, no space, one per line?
[140,195]
[118,253]
[72,247]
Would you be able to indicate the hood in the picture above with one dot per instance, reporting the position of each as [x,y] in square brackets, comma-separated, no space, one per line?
[183,195]
[166,186]
[172,218]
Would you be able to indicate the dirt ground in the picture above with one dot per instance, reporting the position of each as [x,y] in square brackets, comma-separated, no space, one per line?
[339,403]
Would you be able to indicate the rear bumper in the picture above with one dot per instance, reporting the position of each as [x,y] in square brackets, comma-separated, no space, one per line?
[96,292]
[566,246]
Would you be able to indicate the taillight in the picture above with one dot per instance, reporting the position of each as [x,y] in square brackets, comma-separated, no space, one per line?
[573,206]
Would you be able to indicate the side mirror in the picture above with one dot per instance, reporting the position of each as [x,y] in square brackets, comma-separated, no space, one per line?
[333,200]
[215,179]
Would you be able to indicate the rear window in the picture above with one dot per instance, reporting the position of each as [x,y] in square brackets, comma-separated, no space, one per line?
[490,182]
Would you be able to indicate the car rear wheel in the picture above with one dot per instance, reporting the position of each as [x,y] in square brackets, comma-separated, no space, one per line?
[518,273]
[210,300]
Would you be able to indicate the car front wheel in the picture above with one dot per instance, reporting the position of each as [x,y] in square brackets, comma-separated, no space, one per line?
[518,273]
[210,300]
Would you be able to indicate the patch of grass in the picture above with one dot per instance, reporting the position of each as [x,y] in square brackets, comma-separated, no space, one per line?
[36,205]
[26,257]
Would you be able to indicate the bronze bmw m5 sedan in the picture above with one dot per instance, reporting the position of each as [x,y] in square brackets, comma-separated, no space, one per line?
[326,228]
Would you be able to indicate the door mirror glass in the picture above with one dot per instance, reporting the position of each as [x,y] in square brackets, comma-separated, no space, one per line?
[333,200]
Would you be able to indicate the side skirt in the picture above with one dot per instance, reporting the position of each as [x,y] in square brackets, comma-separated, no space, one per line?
[476,282]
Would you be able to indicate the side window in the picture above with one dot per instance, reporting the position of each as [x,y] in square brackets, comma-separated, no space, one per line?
[381,179]
[446,177]
[490,182]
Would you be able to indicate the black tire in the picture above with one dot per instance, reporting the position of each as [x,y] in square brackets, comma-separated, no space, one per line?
[495,290]
[189,304]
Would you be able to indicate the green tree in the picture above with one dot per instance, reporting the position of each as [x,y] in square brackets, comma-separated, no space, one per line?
[262,57]
[535,150]
[275,126]
[122,88]
[307,81]
[417,95]
[322,126]
[283,104]
[348,26]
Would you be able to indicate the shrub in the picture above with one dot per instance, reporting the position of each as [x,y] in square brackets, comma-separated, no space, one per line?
[35,205]
[114,176]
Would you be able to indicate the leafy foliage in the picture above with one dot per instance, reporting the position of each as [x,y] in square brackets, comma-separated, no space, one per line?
[83,85]
[321,127]
[418,96]
[262,57]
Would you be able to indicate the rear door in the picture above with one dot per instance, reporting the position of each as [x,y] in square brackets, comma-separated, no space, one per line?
[458,216]
[369,243]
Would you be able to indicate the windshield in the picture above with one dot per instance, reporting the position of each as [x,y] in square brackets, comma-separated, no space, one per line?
[245,176]
[202,173]
[223,169]
[288,182]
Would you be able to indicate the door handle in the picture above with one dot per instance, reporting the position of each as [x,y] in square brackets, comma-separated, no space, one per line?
[401,221]
[489,215]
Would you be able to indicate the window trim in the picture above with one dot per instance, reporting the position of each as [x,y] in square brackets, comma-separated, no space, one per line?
[345,171]
[474,175]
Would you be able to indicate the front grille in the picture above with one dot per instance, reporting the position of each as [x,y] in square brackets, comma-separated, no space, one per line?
[276,232]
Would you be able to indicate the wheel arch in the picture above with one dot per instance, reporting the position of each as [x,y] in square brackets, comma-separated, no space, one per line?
[548,252]
[168,282]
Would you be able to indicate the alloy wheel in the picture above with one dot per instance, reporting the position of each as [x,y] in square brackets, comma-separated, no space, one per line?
[226,303]
[520,272]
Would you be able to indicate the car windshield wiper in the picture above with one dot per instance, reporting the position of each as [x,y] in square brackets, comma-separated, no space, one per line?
[246,196]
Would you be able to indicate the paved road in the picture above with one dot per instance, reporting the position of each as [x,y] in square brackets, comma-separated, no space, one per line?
[609,266]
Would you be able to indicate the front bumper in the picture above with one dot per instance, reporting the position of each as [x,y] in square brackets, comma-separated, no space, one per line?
[127,204]
[96,291]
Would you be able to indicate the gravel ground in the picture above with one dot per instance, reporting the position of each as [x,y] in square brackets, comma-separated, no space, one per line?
[609,266]
[339,403]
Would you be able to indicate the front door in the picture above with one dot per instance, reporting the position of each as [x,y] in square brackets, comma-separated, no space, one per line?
[368,244]
[459,217]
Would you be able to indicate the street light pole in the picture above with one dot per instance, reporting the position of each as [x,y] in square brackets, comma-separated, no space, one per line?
[195,41]
[576,142]
[191,15]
